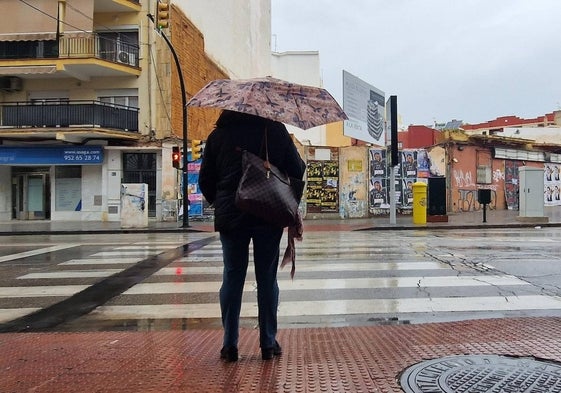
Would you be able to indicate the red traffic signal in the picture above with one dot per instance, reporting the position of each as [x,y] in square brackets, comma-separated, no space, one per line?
[176,157]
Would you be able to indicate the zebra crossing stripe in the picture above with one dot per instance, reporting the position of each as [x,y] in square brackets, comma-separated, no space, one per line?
[337,307]
[98,261]
[125,253]
[313,267]
[8,314]
[155,247]
[319,284]
[190,270]
[40,291]
[284,285]
[70,274]
[38,251]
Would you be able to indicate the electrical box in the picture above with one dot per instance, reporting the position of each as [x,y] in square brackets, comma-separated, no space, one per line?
[531,191]
[484,196]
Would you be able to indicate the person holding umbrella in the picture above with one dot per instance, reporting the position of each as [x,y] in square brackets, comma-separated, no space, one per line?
[219,176]
[251,106]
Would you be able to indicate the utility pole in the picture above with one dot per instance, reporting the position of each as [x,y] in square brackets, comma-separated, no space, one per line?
[163,13]
[391,108]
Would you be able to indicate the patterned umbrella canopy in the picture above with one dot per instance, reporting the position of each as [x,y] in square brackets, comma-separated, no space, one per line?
[302,106]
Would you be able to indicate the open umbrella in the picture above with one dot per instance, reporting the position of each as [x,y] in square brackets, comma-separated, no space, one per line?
[300,105]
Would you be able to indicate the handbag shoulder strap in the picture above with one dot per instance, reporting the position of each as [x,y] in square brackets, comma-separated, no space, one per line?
[265,142]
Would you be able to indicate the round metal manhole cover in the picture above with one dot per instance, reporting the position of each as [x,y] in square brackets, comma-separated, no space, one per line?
[482,373]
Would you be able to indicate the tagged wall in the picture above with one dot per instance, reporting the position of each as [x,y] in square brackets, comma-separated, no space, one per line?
[464,164]
[472,168]
[353,175]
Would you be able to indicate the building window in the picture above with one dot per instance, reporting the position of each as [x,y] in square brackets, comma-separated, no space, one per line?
[131,101]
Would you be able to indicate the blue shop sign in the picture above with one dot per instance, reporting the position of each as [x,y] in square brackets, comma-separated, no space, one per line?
[51,155]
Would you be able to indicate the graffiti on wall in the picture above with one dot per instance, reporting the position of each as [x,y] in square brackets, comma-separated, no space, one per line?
[467,200]
[498,175]
[512,188]
[463,179]
[350,205]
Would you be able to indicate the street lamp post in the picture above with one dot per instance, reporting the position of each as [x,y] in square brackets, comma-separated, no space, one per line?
[185,177]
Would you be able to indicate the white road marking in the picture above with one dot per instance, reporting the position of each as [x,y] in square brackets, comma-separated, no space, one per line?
[8,314]
[40,291]
[99,261]
[314,267]
[140,253]
[38,251]
[325,284]
[337,307]
[153,247]
[70,274]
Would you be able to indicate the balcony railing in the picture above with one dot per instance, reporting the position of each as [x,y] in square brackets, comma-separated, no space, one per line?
[95,45]
[82,45]
[75,114]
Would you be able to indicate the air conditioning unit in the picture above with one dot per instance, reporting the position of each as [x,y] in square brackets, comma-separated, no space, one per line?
[11,83]
[126,58]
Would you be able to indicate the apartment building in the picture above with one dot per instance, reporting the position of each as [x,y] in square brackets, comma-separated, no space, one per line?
[90,98]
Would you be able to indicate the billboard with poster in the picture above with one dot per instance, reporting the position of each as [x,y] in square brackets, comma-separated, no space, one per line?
[364,104]
[322,186]
[413,166]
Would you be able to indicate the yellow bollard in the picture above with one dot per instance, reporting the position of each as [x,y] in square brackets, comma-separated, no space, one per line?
[419,203]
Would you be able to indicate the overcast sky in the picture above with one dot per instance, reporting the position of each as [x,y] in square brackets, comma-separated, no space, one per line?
[470,60]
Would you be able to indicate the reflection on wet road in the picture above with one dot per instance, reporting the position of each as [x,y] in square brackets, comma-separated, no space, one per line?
[342,278]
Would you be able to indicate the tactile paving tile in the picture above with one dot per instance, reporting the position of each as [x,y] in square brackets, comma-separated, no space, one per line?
[346,359]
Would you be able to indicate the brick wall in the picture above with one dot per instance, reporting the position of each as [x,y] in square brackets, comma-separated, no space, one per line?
[198,69]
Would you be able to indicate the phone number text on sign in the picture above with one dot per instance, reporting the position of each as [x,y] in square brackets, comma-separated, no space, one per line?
[82,157]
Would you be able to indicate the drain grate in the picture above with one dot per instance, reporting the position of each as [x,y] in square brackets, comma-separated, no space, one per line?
[482,373]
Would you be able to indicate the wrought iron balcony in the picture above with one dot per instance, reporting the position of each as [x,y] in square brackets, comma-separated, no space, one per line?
[77,45]
[69,114]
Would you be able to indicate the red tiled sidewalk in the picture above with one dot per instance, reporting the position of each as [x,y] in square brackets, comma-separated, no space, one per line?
[348,359]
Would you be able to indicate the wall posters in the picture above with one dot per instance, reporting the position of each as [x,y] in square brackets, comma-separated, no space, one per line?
[413,166]
[194,195]
[512,184]
[552,185]
[322,194]
[379,179]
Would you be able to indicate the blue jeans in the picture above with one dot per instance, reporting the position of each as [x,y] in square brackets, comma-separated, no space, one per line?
[235,249]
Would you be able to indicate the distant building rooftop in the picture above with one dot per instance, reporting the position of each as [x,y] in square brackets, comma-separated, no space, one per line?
[512,121]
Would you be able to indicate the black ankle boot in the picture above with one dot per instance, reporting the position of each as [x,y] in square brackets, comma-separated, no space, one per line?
[269,353]
[230,354]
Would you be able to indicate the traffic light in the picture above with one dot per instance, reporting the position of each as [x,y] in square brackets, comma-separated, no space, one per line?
[162,15]
[176,157]
[196,149]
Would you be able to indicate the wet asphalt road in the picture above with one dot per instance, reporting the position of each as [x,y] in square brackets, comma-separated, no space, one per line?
[152,281]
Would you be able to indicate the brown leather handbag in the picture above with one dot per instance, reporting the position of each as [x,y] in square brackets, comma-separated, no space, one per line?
[266,192]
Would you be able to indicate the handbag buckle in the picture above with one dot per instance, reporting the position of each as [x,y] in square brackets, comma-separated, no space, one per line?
[267,166]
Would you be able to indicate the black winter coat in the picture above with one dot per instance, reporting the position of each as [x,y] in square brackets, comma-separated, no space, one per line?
[221,168]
